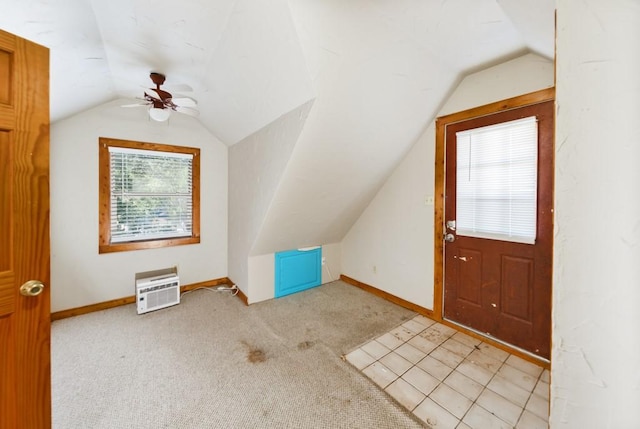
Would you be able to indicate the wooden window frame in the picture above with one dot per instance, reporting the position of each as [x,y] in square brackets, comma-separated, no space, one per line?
[104,197]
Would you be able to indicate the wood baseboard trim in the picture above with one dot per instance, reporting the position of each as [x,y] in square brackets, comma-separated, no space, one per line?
[430,314]
[208,283]
[243,297]
[92,308]
[217,282]
[385,295]
[130,300]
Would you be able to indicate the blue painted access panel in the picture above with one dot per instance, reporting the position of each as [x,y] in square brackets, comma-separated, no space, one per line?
[297,270]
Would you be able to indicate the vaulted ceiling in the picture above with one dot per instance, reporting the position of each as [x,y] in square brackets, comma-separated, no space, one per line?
[251,61]
[366,77]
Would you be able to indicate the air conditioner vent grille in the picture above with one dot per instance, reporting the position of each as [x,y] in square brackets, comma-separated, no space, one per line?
[155,293]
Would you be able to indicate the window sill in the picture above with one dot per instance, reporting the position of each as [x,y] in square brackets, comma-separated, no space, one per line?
[150,244]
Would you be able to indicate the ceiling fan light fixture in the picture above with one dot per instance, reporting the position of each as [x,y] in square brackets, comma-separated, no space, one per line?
[159,115]
[161,103]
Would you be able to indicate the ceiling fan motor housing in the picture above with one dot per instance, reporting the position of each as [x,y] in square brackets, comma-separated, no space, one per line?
[157,78]
[165,97]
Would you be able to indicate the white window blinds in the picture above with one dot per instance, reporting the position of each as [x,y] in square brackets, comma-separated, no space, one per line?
[151,194]
[496,181]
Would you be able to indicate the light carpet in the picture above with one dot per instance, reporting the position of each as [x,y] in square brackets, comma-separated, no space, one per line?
[212,362]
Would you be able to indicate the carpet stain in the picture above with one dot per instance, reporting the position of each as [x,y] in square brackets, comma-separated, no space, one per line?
[305,345]
[254,354]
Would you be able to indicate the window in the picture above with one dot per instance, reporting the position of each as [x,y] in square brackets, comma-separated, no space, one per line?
[496,179]
[149,195]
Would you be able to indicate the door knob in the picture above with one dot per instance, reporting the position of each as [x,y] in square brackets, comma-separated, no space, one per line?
[449,238]
[32,288]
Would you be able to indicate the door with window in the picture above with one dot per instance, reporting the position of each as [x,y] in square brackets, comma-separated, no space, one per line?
[498,220]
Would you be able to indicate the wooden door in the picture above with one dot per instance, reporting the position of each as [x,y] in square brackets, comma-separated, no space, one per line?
[501,287]
[25,386]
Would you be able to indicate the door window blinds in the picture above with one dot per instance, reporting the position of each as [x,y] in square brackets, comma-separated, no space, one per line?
[496,181]
[151,194]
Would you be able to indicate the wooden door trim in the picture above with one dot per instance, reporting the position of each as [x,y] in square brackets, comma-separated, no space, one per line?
[438,264]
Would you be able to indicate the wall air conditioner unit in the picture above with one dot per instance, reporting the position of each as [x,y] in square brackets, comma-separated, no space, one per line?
[154,293]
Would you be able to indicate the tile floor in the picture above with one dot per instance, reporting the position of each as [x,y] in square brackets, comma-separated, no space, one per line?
[450,380]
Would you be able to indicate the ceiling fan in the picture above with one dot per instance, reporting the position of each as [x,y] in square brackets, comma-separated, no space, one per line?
[161,102]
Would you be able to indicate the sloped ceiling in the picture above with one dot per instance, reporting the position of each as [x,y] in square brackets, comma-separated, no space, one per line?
[377,70]
[381,71]
[246,60]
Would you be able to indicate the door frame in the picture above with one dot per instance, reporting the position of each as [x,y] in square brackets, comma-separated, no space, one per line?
[438,216]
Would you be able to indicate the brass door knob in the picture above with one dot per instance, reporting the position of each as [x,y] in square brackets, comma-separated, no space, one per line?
[32,288]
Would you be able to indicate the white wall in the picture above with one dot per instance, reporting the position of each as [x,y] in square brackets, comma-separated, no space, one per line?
[391,245]
[595,378]
[332,262]
[79,275]
[262,273]
[256,165]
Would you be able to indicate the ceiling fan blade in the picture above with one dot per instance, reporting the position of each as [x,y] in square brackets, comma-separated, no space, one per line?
[187,111]
[135,105]
[184,101]
[153,93]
